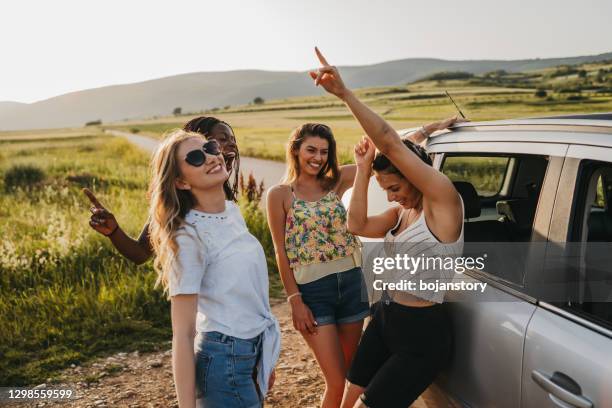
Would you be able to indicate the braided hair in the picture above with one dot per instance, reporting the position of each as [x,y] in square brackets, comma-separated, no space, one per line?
[204,125]
[382,164]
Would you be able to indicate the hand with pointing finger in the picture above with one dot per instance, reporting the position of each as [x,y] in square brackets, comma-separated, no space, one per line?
[328,77]
[101,219]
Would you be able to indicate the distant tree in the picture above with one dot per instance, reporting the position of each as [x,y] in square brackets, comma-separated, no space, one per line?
[496,73]
[449,75]
[563,70]
[94,123]
[258,100]
[541,93]
[601,76]
[582,73]
[226,107]
[177,111]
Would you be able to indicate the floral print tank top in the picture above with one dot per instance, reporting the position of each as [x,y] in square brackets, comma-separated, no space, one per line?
[315,231]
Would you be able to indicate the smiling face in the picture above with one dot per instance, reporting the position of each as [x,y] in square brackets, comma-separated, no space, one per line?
[312,155]
[399,189]
[223,134]
[211,174]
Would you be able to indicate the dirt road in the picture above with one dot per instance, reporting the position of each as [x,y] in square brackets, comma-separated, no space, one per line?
[145,380]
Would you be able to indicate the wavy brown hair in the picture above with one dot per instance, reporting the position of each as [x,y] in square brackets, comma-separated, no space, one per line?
[330,171]
[168,204]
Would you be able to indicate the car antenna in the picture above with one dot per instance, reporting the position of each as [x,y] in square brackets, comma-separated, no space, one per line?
[451,98]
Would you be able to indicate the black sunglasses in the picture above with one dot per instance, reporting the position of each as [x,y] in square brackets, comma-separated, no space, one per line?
[198,157]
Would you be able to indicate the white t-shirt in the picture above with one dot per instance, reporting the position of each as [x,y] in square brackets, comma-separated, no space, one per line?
[224,264]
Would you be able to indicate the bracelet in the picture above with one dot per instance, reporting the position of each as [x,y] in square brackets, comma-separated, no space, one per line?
[424,132]
[293,295]
[112,232]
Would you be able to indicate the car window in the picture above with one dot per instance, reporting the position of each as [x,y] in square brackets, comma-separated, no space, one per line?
[599,197]
[485,173]
[592,221]
[500,195]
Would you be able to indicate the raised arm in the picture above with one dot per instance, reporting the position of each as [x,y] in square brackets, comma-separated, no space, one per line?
[347,178]
[423,133]
[358,221]
[303,319]
[104,222]
[433,184]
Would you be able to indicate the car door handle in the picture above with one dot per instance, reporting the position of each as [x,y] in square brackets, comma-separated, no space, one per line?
[556,390]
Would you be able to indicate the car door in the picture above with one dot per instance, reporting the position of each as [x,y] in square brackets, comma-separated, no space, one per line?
[568,345]
[490,327]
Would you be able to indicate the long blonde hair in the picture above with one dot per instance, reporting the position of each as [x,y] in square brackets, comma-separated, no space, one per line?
[168,204]
[330,172]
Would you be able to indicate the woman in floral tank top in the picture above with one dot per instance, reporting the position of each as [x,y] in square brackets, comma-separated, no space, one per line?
[319,260]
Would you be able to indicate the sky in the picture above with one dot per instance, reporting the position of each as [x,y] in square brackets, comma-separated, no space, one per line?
[48,48]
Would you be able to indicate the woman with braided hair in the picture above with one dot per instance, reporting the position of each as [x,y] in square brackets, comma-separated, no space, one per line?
[140,250]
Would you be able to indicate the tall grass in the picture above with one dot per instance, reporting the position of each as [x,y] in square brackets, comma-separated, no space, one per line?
[65,294]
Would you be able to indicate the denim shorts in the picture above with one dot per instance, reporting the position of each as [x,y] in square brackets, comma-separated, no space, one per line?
[337,298]
[225,367]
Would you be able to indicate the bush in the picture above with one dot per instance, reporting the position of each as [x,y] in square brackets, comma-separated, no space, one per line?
[495,74]
[250,191]
[94,123]
[564,70]
[541,93]
[438,76]
[22,176]
[258,100]
[576,89]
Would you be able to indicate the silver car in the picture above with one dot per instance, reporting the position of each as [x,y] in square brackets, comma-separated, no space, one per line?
[545,183]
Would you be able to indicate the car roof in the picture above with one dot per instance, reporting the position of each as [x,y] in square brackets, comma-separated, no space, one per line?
[582,129]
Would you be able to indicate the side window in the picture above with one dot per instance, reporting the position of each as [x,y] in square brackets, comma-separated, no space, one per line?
[485,173]
[500,195]
[600,201]
[592,228]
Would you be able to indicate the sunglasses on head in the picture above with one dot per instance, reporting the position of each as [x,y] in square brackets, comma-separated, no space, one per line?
[198,157]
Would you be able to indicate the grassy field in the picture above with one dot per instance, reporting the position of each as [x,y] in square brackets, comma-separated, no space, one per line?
[65,294]
[263,130]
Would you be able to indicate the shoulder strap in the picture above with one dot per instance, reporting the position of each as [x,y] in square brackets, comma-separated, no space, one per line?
[399,221]
[292,192]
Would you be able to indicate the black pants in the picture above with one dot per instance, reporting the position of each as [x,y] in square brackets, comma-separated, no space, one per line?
[400,354]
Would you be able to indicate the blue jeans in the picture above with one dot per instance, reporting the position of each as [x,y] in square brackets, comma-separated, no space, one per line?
[338,298]
[224,371]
